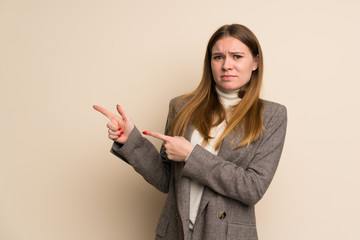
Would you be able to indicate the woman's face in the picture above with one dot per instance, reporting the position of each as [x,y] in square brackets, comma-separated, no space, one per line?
[232,64]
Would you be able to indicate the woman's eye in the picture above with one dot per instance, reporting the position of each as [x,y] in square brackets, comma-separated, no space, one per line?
[217,57]
[237,56]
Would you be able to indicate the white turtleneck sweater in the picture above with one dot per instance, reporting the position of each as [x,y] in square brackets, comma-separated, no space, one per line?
[228,99]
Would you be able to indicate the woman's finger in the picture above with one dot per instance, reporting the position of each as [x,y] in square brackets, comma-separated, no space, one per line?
[122,112]
[113,137]
[157,135]
[107,113]
[112,126]
[117,132]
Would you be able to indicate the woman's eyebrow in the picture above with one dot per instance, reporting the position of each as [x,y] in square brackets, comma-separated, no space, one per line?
[232,52]
[236,52]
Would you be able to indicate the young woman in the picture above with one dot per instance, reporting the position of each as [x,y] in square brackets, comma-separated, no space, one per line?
[221,147]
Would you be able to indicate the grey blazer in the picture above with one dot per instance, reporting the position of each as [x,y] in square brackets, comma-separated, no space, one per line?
[234,180]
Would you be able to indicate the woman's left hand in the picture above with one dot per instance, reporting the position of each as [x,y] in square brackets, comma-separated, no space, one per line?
[177,148]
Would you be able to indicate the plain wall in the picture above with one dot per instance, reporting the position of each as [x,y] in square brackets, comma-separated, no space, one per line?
[58,179]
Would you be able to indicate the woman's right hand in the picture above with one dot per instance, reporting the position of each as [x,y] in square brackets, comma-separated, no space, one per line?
[119,127]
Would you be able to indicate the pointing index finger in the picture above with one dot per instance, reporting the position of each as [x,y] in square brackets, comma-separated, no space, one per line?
[107,113]
[157,135]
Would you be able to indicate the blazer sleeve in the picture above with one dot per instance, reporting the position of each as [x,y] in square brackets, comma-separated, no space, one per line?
[143,156]
[245,184]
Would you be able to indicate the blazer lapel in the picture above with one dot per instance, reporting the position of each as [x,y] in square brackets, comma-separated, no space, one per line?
[183,191]
[183,200]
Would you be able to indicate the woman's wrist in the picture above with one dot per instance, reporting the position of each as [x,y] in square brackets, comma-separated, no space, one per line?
[192,148]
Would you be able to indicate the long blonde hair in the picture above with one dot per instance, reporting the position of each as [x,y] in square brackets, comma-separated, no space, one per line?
[202,107]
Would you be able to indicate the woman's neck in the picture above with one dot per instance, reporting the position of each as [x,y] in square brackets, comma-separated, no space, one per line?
[228,98]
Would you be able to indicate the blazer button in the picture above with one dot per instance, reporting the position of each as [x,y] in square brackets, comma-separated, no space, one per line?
[222,215]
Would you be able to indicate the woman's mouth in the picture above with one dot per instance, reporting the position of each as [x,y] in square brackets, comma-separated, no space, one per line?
[227,77]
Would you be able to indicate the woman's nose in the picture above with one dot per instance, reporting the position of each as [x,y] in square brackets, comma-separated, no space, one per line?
[227,64]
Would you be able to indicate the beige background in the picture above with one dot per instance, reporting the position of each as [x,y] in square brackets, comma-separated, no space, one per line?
[58,58]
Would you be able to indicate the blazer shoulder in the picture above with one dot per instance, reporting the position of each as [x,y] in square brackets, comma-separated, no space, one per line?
[273,109]
[175,99]
[177,102]
[175,105]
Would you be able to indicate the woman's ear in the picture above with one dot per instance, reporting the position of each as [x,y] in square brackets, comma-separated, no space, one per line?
[255,63]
